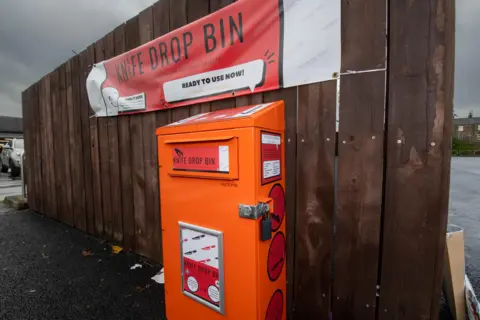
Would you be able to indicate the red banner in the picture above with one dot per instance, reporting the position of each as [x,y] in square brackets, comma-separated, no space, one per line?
[249,46]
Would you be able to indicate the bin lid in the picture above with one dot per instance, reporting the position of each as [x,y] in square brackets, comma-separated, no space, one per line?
[268,116]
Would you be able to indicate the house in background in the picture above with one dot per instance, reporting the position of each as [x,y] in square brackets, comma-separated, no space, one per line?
[467,129]
[11,127]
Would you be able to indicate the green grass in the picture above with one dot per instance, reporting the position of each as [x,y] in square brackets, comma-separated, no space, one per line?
[464,148]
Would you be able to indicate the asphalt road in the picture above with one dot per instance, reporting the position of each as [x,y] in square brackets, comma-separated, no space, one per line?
[465,211]
[44,273]
[51,271]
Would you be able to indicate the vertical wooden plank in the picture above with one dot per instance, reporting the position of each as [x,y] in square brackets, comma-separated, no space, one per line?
[104,149]
[178,18]
[138,177]
[178,14]
[420,94]
[43,136]
[126,170]
[223,104]
[363,34]
[219,4]
[359,195]
[38,164]
[76,151]
[161,26]
[49,152]
[161,18]
[66,213]
[153,234]
[444,107]
[58,162]
[253,99]
[69,143]
[197,9]
[113,149]
[27,132]
[86,61]
[289,96]
[315,200]
[360,160]
[137,159]
[95,154]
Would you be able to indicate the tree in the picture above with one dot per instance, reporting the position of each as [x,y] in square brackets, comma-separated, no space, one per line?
[470,114]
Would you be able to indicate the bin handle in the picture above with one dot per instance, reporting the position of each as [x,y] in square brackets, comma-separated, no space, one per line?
[212,139]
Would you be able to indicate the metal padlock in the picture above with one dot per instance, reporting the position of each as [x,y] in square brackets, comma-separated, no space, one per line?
[266,227]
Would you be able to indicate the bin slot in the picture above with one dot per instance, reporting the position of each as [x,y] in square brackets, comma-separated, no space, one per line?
[212,139]
[213,157]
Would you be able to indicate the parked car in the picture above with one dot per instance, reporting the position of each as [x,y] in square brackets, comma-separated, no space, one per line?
[10,156]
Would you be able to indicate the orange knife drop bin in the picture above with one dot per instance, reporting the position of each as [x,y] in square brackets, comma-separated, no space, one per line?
[222,190]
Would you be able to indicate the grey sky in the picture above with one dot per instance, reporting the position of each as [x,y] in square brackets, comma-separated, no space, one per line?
[38,35]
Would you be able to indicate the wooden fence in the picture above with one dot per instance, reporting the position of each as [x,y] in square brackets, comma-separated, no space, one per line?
[367,246]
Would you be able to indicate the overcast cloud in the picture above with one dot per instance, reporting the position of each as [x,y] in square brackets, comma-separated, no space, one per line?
[38,35]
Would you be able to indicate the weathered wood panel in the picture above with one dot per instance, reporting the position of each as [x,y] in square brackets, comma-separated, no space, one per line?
[66,211]
[104,149]
[42,180]
[114,153]
[359,195]
[219,4]
[152,211]
[137,159]
[27,97]
[360,160]
[70,143]
[197,9]
[87,59]
[131,41]
[138,172]
[256,98]
[58,162]
[363,34]
[420,90]
[178,18]
[315,200]
[39,150]
[48,163]
[95,157]
[76,151]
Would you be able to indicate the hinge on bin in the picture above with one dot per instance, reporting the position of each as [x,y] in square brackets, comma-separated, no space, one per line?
[253,212]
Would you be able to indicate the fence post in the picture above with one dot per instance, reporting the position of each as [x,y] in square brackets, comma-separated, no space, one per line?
[419,128]
[22,175]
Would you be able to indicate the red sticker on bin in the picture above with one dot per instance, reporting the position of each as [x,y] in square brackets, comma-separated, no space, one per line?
[276,256]
[201,159]
[278,196]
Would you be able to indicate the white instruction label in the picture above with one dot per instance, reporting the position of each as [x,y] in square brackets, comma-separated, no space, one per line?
[271,169]
[224,160]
